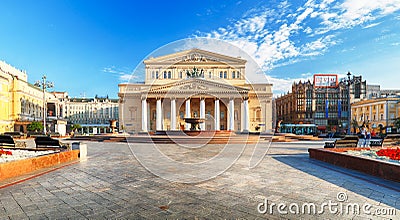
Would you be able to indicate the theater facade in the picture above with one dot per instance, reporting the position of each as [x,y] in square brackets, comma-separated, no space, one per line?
[195,84]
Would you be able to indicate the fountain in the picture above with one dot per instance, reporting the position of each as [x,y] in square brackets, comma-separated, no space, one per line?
[194,123]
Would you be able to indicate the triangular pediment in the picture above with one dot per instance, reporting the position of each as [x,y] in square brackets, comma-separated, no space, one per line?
[194,56]
[198,85]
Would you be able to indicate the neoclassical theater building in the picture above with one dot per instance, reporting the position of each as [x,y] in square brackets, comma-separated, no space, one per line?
[195,84]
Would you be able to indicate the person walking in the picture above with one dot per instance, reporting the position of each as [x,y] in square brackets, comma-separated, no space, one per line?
[367,136]
[363,136]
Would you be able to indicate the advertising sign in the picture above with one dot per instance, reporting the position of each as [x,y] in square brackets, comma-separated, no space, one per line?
[325,80]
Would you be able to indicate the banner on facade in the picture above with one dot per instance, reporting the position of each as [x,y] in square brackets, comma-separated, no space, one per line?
[326,108]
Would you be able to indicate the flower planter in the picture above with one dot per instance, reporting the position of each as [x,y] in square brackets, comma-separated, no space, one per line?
[21,167]
[382,169]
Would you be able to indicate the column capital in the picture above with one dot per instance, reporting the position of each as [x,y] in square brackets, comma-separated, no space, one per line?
[158,98]
[143,98]
[245,98]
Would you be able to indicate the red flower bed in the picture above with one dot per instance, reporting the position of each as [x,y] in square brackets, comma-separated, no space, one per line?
[6,152]
[392,153]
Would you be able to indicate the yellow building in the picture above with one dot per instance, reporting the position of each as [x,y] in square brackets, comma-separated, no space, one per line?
[376,113]
[195,84]
[20,102]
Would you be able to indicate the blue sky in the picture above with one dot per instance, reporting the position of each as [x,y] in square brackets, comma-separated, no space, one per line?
[88,47]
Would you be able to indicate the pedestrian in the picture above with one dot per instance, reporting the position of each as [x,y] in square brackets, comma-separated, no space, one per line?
[367,136]
[373,133]
[363,136]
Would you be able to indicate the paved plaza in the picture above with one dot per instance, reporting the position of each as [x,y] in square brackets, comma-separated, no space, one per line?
[112,184]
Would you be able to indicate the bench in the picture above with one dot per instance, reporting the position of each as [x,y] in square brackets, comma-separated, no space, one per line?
[48,141]
[391,139]
[375,142]
[349,141]
[15,134]
[7,140]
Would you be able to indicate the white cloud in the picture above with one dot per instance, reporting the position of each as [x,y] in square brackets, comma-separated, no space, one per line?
[123,74]
[304,32]
[371,25]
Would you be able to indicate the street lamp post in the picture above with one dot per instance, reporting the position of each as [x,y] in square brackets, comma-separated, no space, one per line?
[348,82]
[348,103]
[44,84]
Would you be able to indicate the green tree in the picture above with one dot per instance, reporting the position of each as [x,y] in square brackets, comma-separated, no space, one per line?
[35,126]
[75,127]
[396,123]
[355,125]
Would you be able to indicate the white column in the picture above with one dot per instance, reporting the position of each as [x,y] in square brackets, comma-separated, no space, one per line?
[187,113]
[202,113]
[385,112]
[173,114]
[231,119]
[370,113]
[246,115]
[144,115]
[217,114]
[158,115]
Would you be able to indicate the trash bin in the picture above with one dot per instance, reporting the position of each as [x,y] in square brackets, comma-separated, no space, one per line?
[82,149]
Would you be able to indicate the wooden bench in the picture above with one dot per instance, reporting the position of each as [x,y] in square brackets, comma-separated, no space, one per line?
[391,140]
[349,141]
[7,141]
[15,134]
[48,141]
[375,142]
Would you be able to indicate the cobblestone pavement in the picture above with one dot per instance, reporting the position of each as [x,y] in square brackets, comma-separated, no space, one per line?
[112,184]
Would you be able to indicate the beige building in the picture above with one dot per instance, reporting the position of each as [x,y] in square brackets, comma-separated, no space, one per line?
[195,84]
[93,114]
[376,113]
[21,102]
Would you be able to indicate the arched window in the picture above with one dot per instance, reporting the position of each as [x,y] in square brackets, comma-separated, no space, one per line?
[233,74]
[221,74]
[180,74]
[156,74]
[209,74]
[225,75]
[165,74]
[169,74]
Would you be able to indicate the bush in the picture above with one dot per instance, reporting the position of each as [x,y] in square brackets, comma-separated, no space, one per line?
[35,126]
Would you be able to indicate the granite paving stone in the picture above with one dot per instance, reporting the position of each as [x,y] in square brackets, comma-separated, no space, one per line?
[112,184]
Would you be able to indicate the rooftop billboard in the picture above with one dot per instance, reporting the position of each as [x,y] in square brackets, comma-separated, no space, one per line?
[325,80]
